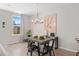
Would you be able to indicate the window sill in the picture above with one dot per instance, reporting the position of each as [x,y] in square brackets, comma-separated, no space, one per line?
[16,34]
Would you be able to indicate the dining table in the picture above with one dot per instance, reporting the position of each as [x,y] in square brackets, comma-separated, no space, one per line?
[42,42]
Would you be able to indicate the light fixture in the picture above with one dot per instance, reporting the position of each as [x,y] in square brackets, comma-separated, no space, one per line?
[37,19]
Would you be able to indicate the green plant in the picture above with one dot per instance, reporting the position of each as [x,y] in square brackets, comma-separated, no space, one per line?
[29,32]
[41,38]
[35,37]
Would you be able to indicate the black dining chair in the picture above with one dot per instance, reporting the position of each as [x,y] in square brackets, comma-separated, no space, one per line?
[51,47]
[31,47]
[48,48]
[52,34]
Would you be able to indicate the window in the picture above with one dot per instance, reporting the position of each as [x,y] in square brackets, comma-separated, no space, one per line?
[16,24]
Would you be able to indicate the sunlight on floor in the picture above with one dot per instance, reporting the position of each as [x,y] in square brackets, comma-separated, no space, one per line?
[18,49]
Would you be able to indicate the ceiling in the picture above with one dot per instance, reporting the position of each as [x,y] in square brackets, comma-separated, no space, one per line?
[30,8]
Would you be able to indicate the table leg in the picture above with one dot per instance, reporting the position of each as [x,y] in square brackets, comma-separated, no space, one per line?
[38,50]
[56,43]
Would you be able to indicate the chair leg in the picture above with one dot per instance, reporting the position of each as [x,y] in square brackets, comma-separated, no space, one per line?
[53,53]
[31,53]
[50,53]
[77,54]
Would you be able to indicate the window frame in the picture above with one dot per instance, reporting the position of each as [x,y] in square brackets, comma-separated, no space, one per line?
[13,25]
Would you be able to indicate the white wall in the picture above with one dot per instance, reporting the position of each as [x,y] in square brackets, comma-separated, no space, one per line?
[6,35]
[67,24]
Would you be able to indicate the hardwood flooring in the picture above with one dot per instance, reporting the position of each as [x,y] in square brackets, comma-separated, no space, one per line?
[62,52]
[20,49]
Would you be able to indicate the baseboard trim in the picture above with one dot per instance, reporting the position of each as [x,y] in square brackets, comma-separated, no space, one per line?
[67,49]
[14,43]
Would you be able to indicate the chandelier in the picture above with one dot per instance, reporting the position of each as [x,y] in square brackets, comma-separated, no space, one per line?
[37,19]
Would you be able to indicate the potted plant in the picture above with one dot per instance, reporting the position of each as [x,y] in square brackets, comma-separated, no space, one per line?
[29,33]
[36,37]
[41,38]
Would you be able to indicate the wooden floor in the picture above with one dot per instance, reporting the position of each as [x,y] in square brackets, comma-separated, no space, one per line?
[62,52]
[20,50]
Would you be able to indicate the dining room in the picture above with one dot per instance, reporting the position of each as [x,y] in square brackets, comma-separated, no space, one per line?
[39,29]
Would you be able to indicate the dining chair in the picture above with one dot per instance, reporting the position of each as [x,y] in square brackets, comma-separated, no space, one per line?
[51,47]
[31,47]
[48,47]
[44,49]
[50,44]
[52,34]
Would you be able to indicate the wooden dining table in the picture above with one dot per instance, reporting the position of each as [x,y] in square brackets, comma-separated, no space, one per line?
[42,42]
